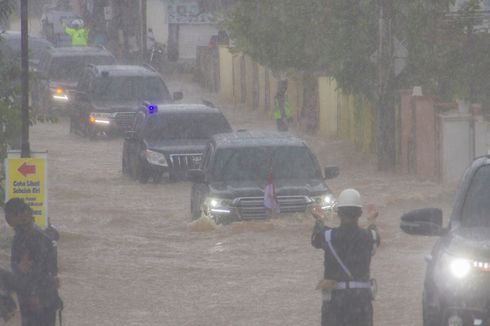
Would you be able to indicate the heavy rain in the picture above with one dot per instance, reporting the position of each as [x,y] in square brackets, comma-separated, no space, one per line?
[238,162]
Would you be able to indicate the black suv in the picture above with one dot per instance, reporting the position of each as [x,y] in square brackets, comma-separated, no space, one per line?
[170,138]
[457,281]
[59,71]
[10,47]
[107,97]
[230,185]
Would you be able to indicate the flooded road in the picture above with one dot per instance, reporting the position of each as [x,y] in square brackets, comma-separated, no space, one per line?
[130,256]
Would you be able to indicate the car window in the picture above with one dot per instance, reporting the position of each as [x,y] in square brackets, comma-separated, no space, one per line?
[255,163]
[126,88]
[476,208]
[70,68]
[186,125]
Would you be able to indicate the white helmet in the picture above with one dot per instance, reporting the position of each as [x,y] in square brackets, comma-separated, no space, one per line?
[349,198]
[77,23]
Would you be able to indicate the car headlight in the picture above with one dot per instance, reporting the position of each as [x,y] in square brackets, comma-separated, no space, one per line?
[102,118]
[59,94]
[460,268]
[155,158]
[218,205]
[326,201]
[456,267]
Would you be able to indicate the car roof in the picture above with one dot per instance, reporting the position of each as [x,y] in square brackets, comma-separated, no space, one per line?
[256,139]
[123,70]
[78,51]
[8,35]
[185,108]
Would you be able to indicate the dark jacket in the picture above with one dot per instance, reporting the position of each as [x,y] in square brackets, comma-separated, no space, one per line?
[354,245]
[35,267]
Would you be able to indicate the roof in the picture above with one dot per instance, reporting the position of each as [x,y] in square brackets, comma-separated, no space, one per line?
[78,51]
[185,108]
[257,139]
[124,70]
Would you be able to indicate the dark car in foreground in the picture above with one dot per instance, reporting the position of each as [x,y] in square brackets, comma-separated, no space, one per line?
[58,74]
[457,281]
[107,97]
[230,184]
[170,138]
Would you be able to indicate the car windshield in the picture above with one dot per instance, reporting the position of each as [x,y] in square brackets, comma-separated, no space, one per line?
[187,125]
[476,208]
[131,88]
[70,68]
[255,163]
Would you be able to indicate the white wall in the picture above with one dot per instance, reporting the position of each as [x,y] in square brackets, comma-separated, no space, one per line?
[157,19]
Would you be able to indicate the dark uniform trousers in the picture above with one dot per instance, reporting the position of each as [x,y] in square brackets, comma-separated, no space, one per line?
[42,317]
[348,308]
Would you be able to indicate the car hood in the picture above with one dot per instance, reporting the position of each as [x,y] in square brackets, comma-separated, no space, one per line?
[471,243]
[179,146]
[66,84]
[115,106]
[285,187]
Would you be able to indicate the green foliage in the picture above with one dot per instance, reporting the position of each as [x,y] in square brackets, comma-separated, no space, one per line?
[280,34]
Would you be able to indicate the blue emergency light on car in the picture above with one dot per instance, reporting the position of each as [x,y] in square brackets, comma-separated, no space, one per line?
[151,108]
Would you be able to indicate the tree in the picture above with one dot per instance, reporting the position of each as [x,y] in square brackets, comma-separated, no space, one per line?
[283,35]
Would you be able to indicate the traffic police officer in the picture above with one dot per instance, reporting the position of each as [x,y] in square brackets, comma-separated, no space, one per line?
[78,33]
[34,267]
[347,287]
[283,112]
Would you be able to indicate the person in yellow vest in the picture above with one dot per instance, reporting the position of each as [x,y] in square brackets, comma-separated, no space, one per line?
[283,112]
[78,33]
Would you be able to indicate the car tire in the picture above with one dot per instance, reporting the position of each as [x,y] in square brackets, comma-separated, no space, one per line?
[125,169]
[196,212]
[157,177]
[430,315]
[141,174]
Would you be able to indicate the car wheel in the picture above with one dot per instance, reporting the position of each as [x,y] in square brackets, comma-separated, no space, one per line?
[157,177]
[196,212]
[430,315]
[141,173]
[125,169]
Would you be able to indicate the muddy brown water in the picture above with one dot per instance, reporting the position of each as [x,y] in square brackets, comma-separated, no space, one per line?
[129,254]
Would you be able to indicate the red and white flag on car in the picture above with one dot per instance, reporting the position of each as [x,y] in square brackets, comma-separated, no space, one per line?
[270,198]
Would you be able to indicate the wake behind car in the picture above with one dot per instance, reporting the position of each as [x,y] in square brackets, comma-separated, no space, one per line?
[170,138]
[59,71]
[107,97]
[237,168]
[457,281]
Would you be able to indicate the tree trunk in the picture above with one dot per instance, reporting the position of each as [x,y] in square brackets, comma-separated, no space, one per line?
[309,114]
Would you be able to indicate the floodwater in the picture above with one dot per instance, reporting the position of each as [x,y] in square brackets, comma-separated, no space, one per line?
[129,254]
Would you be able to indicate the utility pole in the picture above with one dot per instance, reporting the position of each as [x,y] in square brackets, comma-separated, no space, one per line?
[25,147]
[385,134]
[144,30]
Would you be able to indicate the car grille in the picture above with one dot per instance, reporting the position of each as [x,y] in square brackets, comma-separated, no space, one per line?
[185,161]
[253,207]
[125,120]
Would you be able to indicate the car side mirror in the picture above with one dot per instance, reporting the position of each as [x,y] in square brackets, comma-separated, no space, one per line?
[177,96]
[426,221]
[130,135]
[331,172]
[197,176]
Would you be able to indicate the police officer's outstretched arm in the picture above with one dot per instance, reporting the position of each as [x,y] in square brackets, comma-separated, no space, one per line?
[371,216]
[318,234]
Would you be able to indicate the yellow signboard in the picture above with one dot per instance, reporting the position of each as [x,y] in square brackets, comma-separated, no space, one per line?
[27,179]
